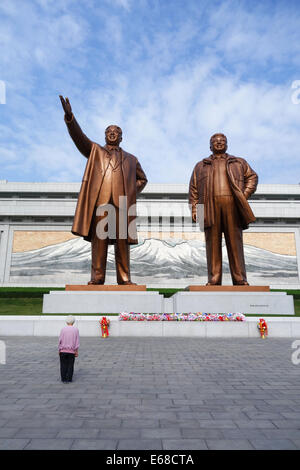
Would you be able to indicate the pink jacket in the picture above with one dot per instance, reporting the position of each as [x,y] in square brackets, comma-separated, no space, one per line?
[69,339]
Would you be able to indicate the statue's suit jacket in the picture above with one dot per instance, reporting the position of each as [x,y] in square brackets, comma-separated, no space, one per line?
[243,182]
[134,180]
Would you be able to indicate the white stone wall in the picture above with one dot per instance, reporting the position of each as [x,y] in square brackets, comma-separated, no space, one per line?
[19,212]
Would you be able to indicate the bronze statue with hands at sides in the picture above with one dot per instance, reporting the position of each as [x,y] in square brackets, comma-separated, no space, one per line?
[223,183]
[111,175]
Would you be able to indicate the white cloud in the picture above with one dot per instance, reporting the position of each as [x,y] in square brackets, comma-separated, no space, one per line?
[168,122]
[30,39]
[167,100]
[8,155]
[126,4]
[258,34]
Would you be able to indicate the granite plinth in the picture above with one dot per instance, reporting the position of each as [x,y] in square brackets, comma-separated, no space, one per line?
[207,301]
[96,301]
[261,303]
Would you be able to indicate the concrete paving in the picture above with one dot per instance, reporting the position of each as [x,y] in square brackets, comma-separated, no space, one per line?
[152,394]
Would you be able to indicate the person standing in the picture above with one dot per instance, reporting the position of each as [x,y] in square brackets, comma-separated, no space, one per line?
[223,184]
[68,349]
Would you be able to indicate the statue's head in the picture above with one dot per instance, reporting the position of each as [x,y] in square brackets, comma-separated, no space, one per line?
[218,143]
[113,135]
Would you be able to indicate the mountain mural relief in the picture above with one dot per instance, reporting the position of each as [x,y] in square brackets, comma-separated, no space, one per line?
[154,262]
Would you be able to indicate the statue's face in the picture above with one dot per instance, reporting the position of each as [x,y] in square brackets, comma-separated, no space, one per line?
[218,143]
[113,135]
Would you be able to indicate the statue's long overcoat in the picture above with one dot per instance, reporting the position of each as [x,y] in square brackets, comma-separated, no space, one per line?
[98,159]
[243,181]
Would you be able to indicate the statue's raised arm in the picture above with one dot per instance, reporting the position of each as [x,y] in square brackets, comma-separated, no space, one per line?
[66,107]
[82,142]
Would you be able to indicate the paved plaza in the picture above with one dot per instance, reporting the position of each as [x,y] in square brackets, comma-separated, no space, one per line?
[151,393]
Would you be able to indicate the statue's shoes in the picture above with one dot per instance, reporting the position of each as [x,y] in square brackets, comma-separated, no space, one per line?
[95,283]
[127,283]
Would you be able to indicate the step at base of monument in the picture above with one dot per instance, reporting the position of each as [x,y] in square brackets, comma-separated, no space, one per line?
[89,326]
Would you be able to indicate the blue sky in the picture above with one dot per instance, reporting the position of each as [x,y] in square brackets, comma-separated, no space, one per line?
[170,73]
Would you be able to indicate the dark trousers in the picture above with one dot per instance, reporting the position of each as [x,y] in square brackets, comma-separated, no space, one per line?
[66,366]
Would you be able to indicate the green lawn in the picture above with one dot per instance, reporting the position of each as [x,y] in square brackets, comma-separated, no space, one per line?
[29,306]
[29,301]
[21,306]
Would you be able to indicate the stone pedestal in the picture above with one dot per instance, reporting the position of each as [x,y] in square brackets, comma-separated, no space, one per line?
[205,299]
[237,299]
[103,301]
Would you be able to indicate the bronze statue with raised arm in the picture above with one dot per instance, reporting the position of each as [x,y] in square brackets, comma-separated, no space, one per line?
[111,175]
[223,183]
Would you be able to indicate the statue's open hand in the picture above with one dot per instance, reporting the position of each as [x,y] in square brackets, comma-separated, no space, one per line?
[66,107]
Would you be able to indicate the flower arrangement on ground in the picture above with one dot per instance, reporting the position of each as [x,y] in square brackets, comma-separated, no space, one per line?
[263,328]
[132,316]
[104,323]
